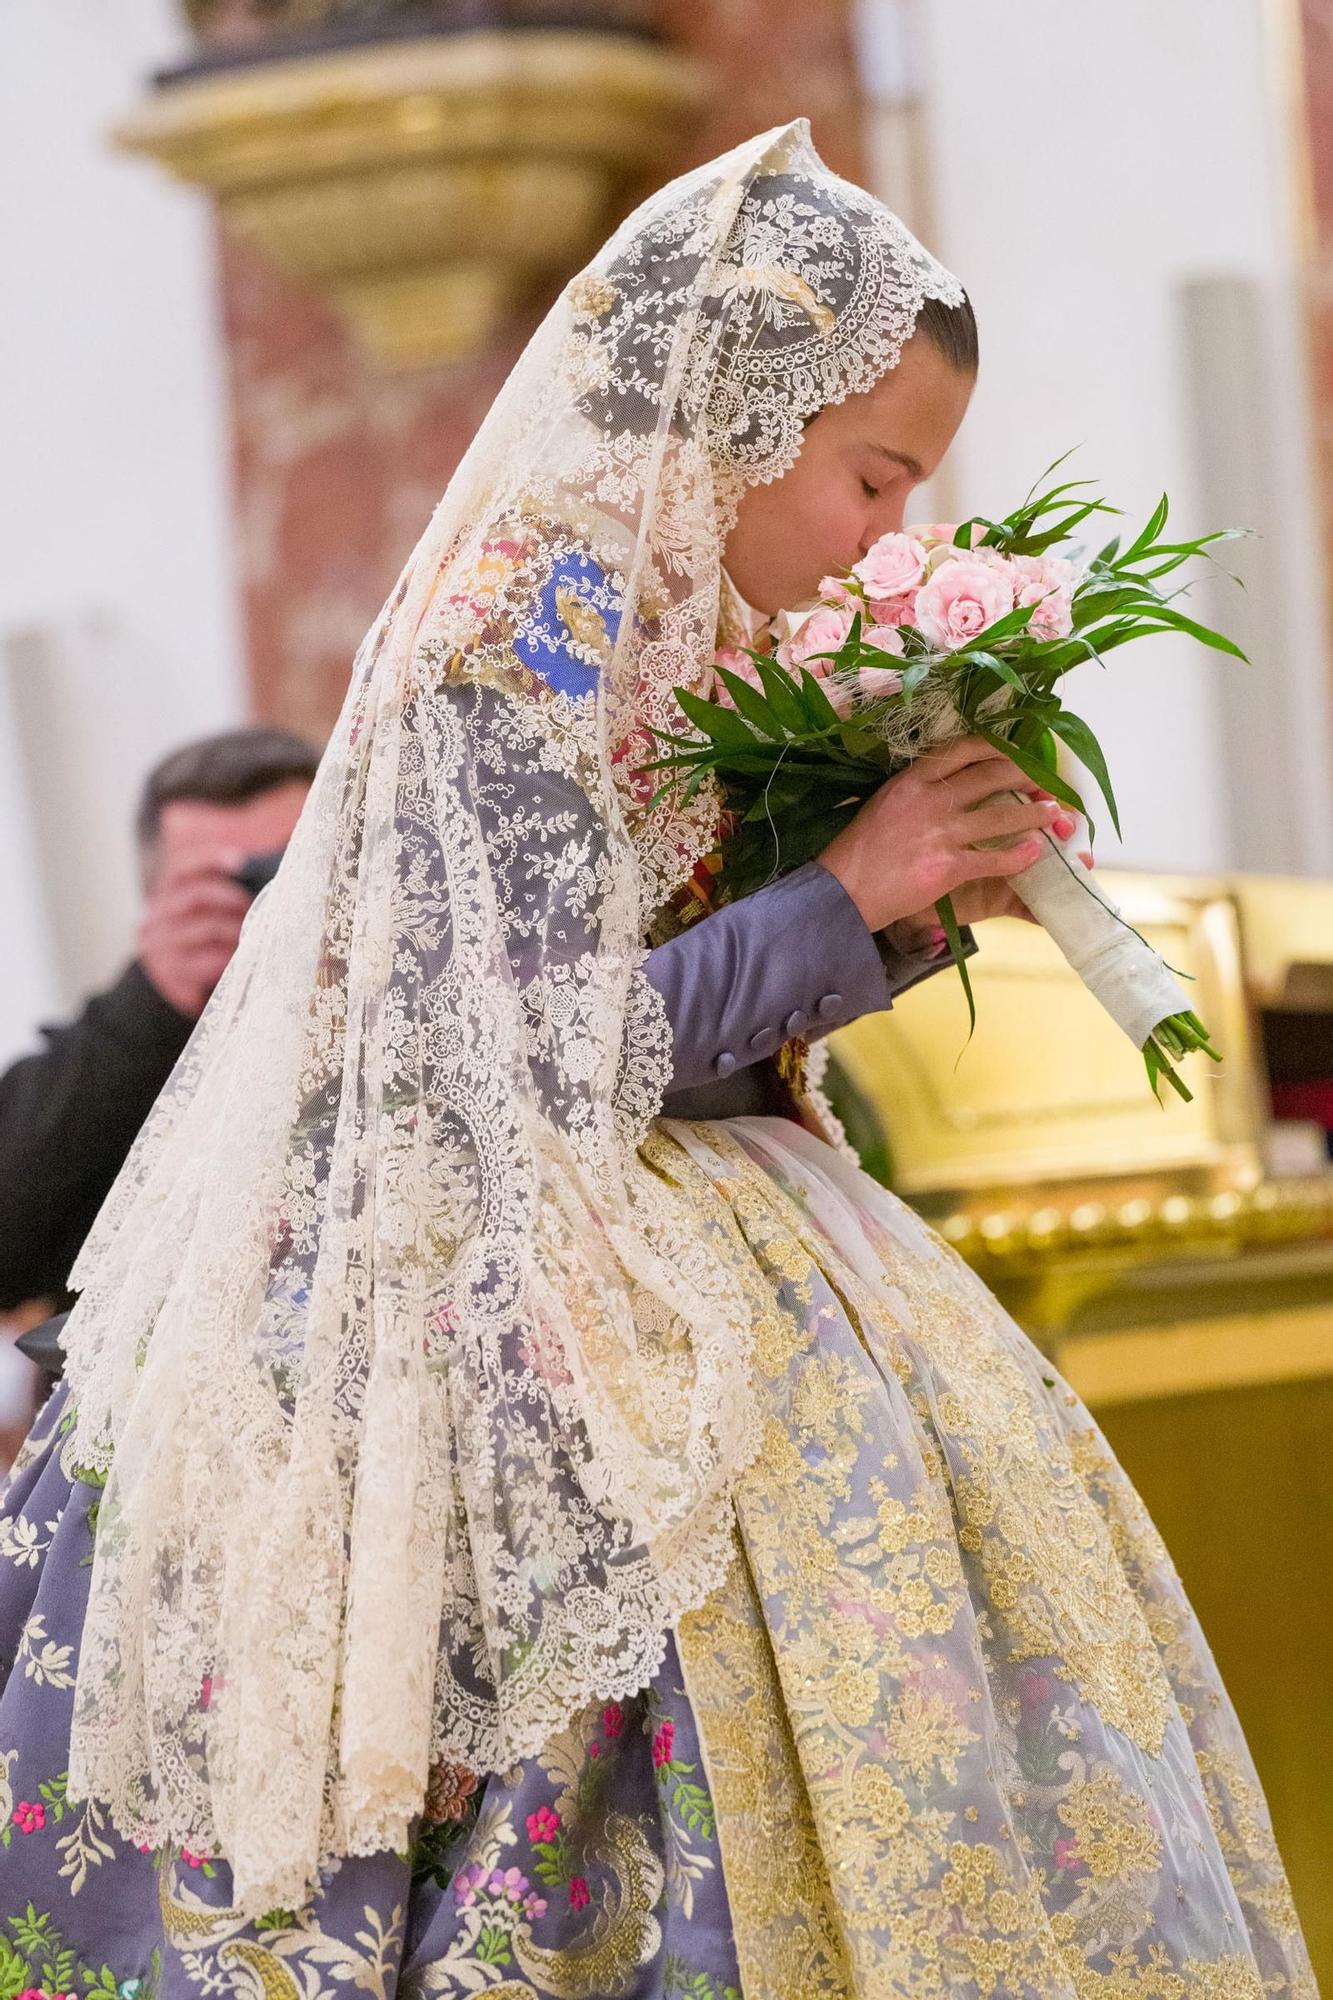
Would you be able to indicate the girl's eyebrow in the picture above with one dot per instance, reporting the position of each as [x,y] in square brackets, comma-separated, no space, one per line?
[899,458]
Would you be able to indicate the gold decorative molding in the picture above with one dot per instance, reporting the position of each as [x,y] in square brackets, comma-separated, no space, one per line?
[1275,1211]
[428,187]
[1038,1151]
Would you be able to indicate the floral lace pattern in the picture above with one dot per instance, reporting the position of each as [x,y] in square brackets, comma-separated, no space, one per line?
[363,1336]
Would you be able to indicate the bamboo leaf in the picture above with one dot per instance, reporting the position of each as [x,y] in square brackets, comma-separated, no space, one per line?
[1167,616]
[944,909]
[1032,767]
[817,702]
[752,705]
[721,725]
[782,693]
[1071,729]
[1148,533]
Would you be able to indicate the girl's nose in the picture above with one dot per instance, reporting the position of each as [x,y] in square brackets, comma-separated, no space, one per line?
[886,518]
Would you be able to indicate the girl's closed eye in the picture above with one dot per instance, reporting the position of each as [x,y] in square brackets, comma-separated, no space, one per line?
[871,492]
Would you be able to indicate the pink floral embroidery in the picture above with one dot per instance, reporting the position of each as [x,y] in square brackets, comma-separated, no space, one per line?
[543,1824]
[29,1818]
[1067,1854]
[466,1883]
[613,1719]
[511,1883]
[664,1743]
[193,1860]
[578,1892]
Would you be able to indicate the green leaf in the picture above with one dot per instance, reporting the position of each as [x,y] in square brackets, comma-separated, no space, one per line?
[817,702]
[1030,763]
[1149,533]
[1003,669]
[1218,641]
[720,725]
[781,691]
[948,917]
[752,706]
[1072,729]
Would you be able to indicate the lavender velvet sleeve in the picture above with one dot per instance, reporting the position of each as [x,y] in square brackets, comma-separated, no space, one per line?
[796,958]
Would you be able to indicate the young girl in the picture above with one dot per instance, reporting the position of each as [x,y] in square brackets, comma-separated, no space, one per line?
[527,1515]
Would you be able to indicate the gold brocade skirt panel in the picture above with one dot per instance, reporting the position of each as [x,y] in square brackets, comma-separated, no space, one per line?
[963,1733]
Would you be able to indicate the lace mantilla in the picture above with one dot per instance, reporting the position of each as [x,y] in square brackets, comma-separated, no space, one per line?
[419,1396]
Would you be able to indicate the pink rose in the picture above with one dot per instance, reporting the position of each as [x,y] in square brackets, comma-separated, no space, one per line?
[744,668]
[887,638]
[934,533]
[1048,582]
[878,683]
[892,567]
[664,1743]
[839,590]
[960,601]
[613,1720]
[822,632]
[875,683]
[894,610]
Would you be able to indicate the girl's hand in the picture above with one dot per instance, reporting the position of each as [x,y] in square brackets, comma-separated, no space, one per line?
[972,902]
[915,840]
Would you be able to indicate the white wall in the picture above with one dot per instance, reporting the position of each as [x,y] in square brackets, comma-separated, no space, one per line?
[1086,163]
[119,625]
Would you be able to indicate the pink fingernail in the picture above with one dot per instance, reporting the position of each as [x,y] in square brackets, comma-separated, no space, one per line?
[1063,825]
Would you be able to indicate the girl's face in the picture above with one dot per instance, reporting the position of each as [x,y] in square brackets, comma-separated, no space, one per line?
[858,466]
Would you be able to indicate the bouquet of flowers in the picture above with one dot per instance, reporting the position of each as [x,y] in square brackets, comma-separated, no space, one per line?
[936,633]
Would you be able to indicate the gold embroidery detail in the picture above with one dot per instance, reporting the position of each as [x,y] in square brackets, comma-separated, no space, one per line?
[584,624]
[1112,1832]
[789,285]
[590,296]
[782,1909]
[953,1649]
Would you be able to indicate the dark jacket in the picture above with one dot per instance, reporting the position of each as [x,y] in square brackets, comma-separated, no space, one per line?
[68,1117]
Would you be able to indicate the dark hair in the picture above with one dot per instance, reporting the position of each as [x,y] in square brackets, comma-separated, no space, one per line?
[224,770]
[952,331]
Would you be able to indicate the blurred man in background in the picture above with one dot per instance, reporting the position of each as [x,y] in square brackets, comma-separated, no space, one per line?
[69,1114]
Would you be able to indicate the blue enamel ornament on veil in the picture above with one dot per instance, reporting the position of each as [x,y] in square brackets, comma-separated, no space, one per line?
[570,637]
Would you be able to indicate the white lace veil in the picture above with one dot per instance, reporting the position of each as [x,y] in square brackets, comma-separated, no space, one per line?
[416,1395]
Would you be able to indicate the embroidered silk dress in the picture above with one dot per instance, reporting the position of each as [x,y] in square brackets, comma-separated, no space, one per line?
[952,1670]
[938,1723]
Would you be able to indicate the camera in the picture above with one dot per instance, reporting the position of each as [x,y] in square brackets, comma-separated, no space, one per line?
[258,870]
